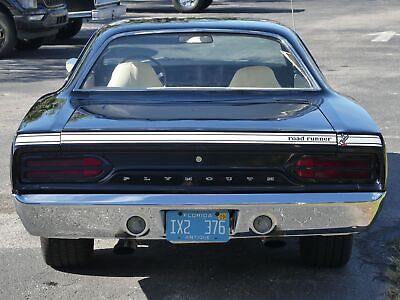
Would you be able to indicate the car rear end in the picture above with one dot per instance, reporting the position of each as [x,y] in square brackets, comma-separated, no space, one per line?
[300,189]
[214,190]
[197,150]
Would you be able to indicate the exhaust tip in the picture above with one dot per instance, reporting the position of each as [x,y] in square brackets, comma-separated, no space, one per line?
[262,225]
[136,225]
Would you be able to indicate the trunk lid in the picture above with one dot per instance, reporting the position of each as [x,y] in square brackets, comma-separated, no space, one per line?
[241,115]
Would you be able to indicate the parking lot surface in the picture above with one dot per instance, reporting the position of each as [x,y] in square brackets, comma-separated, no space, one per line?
[350,40]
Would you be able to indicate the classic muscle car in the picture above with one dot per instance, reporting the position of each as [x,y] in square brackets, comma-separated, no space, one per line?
[197,131]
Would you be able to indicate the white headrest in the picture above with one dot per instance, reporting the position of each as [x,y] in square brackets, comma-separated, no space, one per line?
[255,77]
[135,75]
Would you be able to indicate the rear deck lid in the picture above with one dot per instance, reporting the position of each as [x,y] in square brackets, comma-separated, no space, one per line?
[276,116]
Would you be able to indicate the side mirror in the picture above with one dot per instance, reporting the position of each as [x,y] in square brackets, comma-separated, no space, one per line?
[70,64]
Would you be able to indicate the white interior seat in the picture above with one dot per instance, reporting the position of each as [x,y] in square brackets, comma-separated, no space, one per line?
[135,75]
[255,77]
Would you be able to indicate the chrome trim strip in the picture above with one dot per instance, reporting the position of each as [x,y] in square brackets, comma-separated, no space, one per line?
[197,137]
[80,14]
[364,140]
[38,138]
[197,199]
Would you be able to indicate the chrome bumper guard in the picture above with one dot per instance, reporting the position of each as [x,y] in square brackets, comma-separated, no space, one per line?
[110,12]
[105,215]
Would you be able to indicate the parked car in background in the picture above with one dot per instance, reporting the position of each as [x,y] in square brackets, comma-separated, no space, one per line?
[24,24]
[191,6]
[91,10]
[197,131]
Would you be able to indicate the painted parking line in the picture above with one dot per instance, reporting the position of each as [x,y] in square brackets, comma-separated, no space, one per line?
[384,36]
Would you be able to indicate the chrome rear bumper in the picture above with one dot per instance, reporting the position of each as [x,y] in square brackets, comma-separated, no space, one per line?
[105,215]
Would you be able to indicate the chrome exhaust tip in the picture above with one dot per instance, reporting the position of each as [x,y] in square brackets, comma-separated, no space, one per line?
[136,226]
[262,225]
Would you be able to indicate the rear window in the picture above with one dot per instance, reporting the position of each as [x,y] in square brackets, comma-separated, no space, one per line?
[196,60]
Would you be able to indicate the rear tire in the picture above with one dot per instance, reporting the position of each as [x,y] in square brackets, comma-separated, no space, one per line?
[70,30]
[27,45]
[326,251]
[190,6]
[67,253]
[8,35]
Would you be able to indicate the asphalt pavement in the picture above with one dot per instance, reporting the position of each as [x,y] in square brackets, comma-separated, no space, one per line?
[357,47]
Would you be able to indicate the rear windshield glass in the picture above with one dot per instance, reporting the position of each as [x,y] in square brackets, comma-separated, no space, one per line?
[196,60]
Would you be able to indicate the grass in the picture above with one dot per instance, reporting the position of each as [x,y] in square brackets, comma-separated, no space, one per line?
[392,274]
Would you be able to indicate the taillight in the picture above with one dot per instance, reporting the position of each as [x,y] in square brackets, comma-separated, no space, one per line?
[68,169]
[340,169]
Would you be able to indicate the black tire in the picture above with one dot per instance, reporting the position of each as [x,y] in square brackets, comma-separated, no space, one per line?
[8,35]
[326,251]
[67,253]
[192,6]
[70,30]
[26,45]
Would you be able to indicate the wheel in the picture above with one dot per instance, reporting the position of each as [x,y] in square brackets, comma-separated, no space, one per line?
[8,35]
[70,30]
[190,6]
[34,44]
[67,253]
[326,251]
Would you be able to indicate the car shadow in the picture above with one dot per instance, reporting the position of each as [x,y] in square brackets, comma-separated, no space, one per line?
[243,269]
[239,269]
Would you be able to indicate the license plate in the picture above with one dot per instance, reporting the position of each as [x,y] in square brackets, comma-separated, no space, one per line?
[197,226]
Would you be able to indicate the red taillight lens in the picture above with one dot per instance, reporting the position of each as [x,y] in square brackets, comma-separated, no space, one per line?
[73,162]
[332,174]
[65,169]
[333,163]
[340,169]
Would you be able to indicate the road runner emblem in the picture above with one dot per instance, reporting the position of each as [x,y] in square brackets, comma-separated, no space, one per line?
[343,139]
